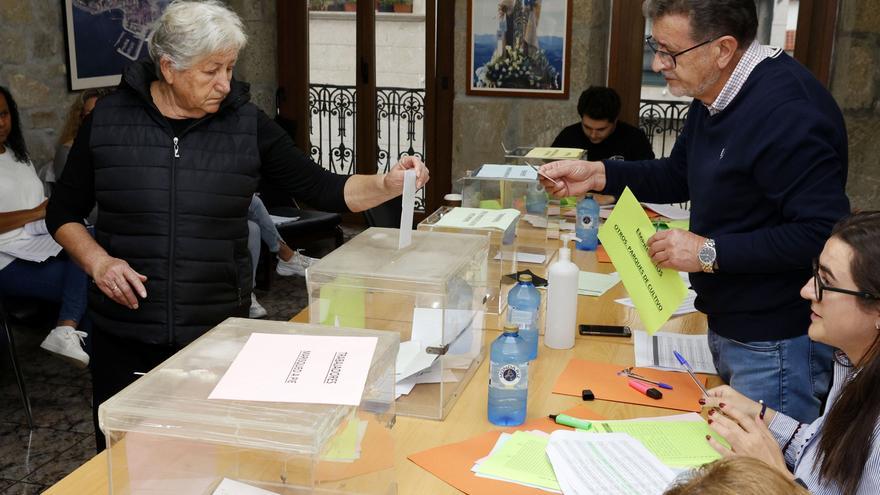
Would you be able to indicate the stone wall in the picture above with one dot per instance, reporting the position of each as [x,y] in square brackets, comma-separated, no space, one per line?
[482,123]
[33,65]
[855,84]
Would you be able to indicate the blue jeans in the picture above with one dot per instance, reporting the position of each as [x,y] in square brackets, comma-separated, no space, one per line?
[791,376]
[56,280]
[260,226]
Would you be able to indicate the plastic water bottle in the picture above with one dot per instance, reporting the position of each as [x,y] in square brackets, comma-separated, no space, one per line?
[587,227]
[508,378]
[523,302]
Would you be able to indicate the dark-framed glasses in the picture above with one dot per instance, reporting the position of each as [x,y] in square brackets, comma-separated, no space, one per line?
[820,286]
[668,59]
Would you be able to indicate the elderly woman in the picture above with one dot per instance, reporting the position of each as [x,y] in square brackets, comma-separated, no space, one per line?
[173,158]
[840,451]
[22,209]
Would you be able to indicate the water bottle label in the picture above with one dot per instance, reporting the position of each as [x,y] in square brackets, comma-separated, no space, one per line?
[510,374]
[520,317]
[587,222]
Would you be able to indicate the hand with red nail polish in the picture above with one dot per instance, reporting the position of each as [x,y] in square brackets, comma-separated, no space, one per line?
[724,397]
[747,435]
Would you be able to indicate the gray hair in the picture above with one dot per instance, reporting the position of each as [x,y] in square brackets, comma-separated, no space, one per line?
[189,31]
[710,18]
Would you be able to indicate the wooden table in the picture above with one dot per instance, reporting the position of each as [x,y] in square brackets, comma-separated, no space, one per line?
[468,417]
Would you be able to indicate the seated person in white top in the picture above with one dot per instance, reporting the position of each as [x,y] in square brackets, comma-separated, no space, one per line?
[22,202]
[840,451]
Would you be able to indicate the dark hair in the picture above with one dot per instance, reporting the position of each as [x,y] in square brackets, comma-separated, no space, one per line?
[15,140]
[848,431]
[599,103]
[711,18]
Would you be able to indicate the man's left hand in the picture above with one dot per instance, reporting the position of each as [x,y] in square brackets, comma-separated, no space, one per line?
[394,178]
[676,249]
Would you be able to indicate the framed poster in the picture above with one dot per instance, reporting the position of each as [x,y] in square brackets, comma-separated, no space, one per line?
[104,37]
[519,48]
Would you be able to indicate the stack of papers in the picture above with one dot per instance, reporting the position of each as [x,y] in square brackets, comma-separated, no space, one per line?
[479,218]
[416,365]
[596,284]
[609,464]
[677,444]
[655,351]
[520,458]
[555,153]
[687,305]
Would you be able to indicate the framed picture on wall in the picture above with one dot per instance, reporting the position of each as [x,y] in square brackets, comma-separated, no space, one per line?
[519,48]
[104,37]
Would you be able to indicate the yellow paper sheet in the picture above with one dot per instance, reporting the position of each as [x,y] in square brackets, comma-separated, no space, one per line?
[523,459]
[656,292]
[490,204]
[555,153]
[675,443]
[344,447]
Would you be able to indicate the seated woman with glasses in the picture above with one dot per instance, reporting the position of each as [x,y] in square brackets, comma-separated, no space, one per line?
[840,451]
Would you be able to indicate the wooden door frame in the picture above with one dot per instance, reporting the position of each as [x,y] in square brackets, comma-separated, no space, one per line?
[817,21]
[293,92]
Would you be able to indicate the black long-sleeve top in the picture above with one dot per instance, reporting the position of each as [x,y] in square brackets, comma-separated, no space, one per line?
[283,164]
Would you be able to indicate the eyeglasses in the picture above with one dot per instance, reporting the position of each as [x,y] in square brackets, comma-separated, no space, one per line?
[668,59]
[819,286]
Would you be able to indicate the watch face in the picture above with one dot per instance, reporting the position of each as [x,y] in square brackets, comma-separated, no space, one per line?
[707,255]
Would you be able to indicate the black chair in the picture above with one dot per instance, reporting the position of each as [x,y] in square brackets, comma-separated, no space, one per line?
[5,322]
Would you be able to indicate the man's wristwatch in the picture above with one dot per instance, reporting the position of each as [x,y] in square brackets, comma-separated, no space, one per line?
[706,256]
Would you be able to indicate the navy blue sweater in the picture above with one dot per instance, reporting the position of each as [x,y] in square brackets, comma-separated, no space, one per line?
[766,179]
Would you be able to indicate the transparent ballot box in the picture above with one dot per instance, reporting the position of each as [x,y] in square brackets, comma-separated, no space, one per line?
[166,437]
[432,293]
[502,250]
[495,186]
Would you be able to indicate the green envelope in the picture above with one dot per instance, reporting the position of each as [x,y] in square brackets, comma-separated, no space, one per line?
[655,292]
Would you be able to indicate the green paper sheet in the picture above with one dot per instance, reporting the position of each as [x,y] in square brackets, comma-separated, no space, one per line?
[341,303]
[344,446]
[490,204]
[522,459]
[596,284]
[679,224]
[675,443]
[655,292]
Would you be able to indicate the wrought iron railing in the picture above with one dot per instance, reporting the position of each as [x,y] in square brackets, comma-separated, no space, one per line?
[662,121]
[400,118]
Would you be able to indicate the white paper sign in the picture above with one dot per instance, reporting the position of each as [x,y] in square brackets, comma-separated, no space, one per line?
[313,369]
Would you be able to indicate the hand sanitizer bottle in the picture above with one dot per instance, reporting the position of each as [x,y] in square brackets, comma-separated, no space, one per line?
[562,293]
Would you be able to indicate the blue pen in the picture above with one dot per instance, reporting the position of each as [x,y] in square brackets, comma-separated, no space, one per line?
[690,371]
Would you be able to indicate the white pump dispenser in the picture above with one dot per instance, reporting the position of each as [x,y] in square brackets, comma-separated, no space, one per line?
[562,293]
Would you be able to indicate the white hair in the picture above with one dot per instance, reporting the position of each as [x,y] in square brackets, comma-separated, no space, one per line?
[189,31]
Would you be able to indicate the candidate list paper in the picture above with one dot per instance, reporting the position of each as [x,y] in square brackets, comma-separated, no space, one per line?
[313,369]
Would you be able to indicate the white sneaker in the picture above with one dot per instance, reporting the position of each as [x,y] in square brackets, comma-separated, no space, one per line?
[257,309]
[295,266]
[67,342]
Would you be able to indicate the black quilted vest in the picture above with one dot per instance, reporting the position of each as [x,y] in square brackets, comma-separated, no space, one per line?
[175,208]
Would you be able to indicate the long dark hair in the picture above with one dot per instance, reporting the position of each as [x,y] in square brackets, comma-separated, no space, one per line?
[15,140]
[848,431]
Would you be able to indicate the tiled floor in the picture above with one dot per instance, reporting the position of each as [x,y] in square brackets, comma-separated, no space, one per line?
[63,438]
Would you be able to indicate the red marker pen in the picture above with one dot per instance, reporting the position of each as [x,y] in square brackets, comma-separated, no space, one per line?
[645,389]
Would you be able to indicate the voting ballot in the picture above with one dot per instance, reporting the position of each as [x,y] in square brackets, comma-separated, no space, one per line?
[431,293]
[656,292]
[165,435]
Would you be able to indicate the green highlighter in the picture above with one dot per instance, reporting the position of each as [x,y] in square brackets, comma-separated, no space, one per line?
[566,420]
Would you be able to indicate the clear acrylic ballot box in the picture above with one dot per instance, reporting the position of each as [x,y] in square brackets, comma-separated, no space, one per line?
[502,254]
[494,186]
[166,437]
[432,293]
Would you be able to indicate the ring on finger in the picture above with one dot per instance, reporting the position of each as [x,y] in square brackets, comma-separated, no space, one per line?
[115,288]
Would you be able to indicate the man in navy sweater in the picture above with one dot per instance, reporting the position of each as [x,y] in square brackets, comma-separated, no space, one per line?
[763,160]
